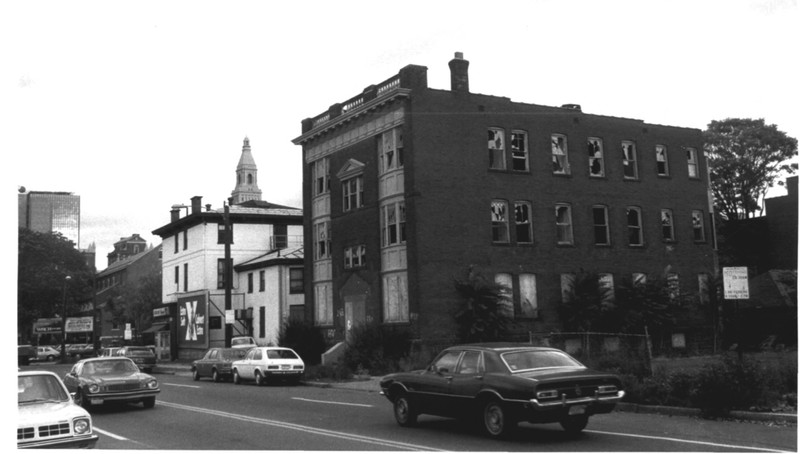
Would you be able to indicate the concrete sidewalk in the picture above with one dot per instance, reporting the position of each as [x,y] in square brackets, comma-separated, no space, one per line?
[371,384]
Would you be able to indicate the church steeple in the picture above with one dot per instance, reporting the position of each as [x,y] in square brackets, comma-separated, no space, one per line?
[246,177]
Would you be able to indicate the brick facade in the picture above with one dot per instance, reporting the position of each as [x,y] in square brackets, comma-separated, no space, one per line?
[448,183]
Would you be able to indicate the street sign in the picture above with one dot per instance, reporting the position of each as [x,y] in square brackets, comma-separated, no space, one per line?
[230,316]
[735,283]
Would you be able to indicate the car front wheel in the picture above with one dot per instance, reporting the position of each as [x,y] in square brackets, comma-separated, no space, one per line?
[50,357]
[404,411]
[496,421]
[574,424]
[149,402]
[215,376]
[236,378]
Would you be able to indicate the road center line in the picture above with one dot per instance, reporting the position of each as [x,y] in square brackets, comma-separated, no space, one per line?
[109,434]
[181,386]
[331,402]
[302,428]
[680,440]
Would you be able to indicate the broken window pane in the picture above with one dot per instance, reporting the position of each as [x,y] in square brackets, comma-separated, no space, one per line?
[558,146]
[596,164]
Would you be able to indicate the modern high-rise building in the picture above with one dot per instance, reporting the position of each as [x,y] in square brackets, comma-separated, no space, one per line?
[43,211]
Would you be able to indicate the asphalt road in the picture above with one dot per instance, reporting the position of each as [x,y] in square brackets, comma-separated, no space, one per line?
[222,416]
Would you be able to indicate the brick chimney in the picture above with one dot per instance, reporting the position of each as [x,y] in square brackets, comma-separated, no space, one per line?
[174,214]
[459,74]
[197,204]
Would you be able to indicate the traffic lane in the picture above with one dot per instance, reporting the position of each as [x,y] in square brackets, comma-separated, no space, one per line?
[370,414]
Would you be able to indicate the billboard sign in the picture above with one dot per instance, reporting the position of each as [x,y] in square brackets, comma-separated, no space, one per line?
[192,327]
[47,326]
[79,324]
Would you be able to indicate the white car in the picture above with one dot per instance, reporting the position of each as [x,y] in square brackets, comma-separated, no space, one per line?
[47,353]
[47,416]
[243,342]
[264,363]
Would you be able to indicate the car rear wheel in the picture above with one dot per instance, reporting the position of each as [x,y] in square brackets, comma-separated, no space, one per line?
[236,378]
[404,411]
[215,375]
[259,379]
[195,375]
[496,421]
[50,357]
[149,402]
[574,424]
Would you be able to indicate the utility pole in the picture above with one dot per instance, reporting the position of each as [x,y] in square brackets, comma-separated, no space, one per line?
[228,272]
[64,320]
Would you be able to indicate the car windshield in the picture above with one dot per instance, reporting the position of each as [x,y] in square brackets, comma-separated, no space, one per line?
[242,341]
[109,367]
[533,359]
[281,354]
[234,354]
[40,388]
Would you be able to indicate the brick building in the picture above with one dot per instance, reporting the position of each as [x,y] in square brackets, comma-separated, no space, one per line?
[406,186]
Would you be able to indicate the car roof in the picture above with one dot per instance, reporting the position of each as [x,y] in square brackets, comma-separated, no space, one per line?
[28,373]
[502,347]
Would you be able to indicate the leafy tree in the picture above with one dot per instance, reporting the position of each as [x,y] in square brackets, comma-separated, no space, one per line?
[135,302]
[745,158]
[586,303]
[481,317]
[44,261]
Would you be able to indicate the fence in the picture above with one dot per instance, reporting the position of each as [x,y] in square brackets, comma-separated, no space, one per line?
[614,352]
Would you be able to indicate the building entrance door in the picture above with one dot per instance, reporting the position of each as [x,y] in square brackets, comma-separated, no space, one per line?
[162,345]
[354,313]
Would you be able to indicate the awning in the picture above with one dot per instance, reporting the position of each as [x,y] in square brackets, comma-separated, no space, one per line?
[157,327]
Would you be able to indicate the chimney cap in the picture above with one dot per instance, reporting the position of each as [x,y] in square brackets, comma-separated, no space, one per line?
[459,55]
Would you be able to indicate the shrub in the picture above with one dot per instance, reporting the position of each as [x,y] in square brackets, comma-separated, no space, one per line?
[373,349]
[304,338]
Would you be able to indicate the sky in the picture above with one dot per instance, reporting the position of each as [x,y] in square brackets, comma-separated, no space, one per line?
[136,106]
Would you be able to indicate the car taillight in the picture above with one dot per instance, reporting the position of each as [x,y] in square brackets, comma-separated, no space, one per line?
[298,367]
[273,367]
[605,389]
[549,394]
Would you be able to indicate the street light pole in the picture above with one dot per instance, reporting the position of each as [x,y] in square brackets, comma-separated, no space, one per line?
[64,319]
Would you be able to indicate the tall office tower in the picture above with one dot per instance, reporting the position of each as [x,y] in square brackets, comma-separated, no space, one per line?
[43,211]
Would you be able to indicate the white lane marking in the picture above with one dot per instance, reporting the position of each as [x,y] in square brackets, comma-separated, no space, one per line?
[181,386]
[302,428]
[109,434]
[331,402]
[681,440]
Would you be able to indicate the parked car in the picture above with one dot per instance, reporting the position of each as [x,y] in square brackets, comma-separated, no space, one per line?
[47,353]
[217,363]
[264,363]
[25,354]
[78,351]
[108,351]
[243,342]
[142,356]
[96,381]
[500,385]
[47,417]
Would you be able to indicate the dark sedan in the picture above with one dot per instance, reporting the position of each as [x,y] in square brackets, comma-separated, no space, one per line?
[500,385]
[216,363]
[96,381]
[142,356]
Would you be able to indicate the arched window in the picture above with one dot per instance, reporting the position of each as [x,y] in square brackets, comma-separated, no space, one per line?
[249,178]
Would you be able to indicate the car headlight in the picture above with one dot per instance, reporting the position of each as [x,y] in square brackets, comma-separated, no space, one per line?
[549,394]
[82,426]
[152,384]
[93,388]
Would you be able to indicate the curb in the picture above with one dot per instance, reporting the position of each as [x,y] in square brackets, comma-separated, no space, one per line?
[696,412]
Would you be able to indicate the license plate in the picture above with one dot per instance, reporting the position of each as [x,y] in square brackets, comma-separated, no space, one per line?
[96,401]
[577,410]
